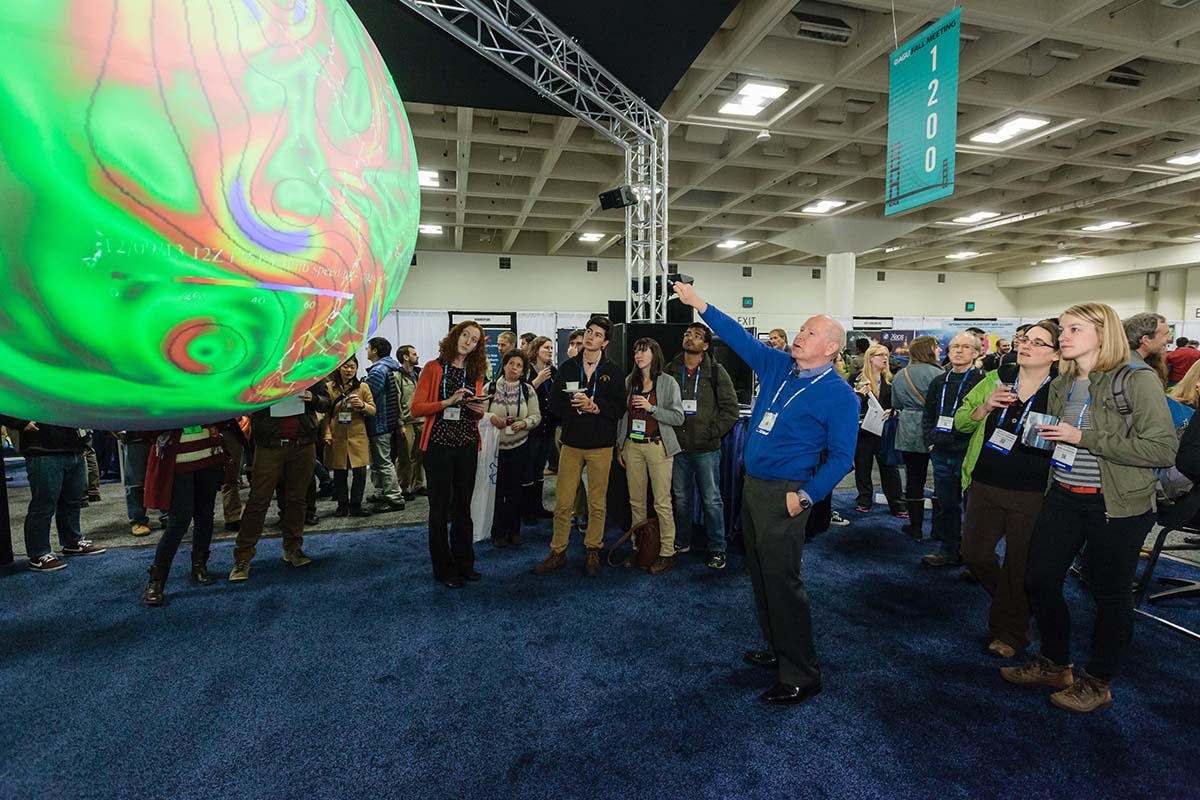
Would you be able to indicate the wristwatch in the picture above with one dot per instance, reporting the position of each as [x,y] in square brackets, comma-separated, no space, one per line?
[805,503]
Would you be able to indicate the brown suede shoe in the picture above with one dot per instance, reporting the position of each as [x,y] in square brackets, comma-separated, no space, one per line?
[553,561]
[592,565]
[1039,672]
[1084,695]
[661,565]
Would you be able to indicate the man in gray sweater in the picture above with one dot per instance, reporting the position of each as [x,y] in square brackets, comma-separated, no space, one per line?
[710,408]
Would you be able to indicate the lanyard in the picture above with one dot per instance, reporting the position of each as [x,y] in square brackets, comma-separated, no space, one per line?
[583,379]
[1028,403]
[801,391]
[637,412]
[1086,404]
[957,395]
[446,394]
[504,398]
[682,375]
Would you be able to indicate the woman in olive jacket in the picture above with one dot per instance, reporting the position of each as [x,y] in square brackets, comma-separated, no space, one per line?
[1102,494]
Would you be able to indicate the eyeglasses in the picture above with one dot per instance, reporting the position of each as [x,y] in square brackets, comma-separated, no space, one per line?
[1032,342]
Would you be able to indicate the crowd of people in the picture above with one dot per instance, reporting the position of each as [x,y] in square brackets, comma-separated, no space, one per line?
[1048,444]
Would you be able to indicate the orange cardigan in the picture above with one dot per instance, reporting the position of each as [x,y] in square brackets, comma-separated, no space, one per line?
[425,402]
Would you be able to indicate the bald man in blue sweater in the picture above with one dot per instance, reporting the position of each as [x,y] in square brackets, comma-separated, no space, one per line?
[804,427]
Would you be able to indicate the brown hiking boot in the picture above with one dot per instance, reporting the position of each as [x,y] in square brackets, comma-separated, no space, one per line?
[1085,694]
[553,561]
[1039,672]
[661,565]
[592,565]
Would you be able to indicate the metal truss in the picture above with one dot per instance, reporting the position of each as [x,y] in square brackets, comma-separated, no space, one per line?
[513,35]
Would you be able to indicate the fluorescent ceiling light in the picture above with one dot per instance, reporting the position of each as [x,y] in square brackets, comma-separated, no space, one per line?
[1009,130]
[823,206]
[591,237]
[1058,259]
[431,230]
[1105,226]
[730,244]
[1186,160]
[978,216]
[965,254]
[1196,236]
[742,109]
[428,177]
[764,89]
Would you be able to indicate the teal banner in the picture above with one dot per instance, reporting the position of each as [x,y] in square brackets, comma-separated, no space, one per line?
[923,117]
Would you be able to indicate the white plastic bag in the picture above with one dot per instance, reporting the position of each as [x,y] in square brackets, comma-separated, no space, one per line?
[483,501]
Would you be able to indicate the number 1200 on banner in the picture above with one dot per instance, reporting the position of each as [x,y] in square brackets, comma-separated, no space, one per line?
[923,117]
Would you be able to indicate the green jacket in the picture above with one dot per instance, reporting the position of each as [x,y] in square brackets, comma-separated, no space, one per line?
[716,409]
[1127,460]
[1127,456]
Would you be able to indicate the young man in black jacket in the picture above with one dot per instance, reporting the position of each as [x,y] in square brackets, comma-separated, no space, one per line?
[285,449]
[58,489]
[589,398]
[710,408]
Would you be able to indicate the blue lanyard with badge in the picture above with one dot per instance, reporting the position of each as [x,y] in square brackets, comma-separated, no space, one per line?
[453,413]
[1064,454]
[689,406]
[1002,441]
[505,400]
[344,415]
[768,421]
[945,422]
[637,418]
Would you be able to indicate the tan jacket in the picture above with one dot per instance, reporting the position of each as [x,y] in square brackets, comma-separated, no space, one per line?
[346,444]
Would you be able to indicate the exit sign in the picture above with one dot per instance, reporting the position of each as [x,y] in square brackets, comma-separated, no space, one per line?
[747,302]
[970,306]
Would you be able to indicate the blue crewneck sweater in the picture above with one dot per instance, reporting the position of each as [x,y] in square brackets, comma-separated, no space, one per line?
[821,420]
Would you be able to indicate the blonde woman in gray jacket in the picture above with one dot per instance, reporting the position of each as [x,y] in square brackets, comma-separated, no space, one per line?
[513,409]
[646,442]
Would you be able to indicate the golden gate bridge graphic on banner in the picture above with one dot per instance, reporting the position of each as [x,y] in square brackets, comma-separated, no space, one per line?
[894,196]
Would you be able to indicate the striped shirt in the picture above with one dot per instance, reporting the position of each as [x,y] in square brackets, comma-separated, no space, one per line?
[1086,471]
[198,450]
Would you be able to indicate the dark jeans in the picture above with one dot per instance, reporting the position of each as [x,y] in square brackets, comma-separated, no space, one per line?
[58,489]
[948,510]
[701,469]
[539,449]
[193,499]
[1066,522]
[450,482]
[916,472]
[512,469]
[353,494]
[774,547]
[137,453]
[868,450]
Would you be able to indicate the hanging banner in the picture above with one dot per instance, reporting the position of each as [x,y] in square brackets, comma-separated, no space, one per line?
[923,117]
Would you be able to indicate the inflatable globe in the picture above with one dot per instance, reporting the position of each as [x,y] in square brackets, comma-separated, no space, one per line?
[207,205]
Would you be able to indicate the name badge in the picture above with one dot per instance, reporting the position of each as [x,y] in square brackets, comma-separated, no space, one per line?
[945,424]
[639,426]
[344,417]
[767,422]
[689,407]
[1063,456]
[1002,441]
[453,414]
[193,429]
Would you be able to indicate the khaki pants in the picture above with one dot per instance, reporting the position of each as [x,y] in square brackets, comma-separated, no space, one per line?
[294,467]
[648,464]
[410,469]
[571,462]
[581,505]
[231,496]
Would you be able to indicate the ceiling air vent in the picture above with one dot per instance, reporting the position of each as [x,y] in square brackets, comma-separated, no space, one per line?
[1176,3]
[1122,77]
[818,28]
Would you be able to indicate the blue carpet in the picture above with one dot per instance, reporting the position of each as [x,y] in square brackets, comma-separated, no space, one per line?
[358,677]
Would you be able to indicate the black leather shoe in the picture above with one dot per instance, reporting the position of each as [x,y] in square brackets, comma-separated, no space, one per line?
[311,519]
[786,694]
[454,583]
[761,658]
[472,575]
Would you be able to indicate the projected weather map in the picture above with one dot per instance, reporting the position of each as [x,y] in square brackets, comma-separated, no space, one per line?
[207,204]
